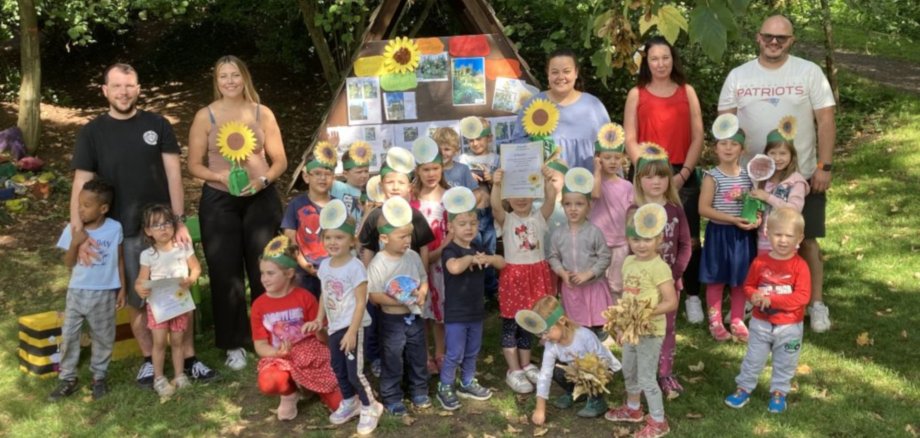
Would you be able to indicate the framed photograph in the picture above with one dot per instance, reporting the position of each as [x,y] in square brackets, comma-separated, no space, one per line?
[432,68]
[468,81]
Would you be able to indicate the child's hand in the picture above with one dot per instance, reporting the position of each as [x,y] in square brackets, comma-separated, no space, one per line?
[142,290]
[498,175]
[565,276]
[88,252]
[538,417]
[582,277]
[598,168]
[420,296]
[744,225]
[120,299]
[547,172]
[349,341]
[759,194]
[284,349]
[311,326]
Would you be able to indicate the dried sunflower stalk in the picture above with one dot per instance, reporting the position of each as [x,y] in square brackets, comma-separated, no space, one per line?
[629,319]
[590,375]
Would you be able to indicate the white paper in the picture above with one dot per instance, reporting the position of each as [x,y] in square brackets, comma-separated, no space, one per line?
[380,137]
[363,96]
[400,105]
[510,94]
[522,164]
[168,300]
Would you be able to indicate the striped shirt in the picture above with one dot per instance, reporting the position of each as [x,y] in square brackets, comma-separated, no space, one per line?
[730,190]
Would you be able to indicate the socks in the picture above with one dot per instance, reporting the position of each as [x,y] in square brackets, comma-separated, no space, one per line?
[633,405]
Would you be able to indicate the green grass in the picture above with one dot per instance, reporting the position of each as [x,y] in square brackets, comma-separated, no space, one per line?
[867,41]
[873,268]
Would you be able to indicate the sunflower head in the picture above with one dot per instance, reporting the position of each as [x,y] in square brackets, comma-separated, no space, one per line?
[540,118]
[648,221]
[610,138]
[235,141]
[359,155]
[784,132]
[401,55]
[276,247]
[533,179]
[578,180]
[649,152]
[325,155]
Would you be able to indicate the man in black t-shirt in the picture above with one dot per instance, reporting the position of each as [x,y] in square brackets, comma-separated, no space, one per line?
[137,153]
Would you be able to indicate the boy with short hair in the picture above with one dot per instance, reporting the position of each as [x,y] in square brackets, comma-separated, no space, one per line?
[349,191]
[95,292]
[483,162]
[402,334]
[455,173]
[778,284]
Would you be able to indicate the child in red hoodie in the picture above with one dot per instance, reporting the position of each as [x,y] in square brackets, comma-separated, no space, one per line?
[778,284]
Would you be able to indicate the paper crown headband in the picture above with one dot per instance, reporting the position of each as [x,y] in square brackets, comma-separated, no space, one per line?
[398,160]
[650,152]
[558,165]
[727,127]
[536,324]
[359,155]
[324,155]
[610,138]
[276,251]
[578,180]
[397,213]
[458,200]
[374,191]
[425,150]
[785,132]
[472,128]
[648,221]
[334,216]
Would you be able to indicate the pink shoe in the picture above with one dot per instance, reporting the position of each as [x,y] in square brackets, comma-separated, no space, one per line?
[654,429]
[287,409]
[739,331]
[718,331]
[625,414]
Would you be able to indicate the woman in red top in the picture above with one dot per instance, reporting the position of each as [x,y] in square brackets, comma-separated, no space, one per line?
[664,109]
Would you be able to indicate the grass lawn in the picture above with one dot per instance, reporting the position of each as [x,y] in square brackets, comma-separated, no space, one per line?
[842,389]
[866,41]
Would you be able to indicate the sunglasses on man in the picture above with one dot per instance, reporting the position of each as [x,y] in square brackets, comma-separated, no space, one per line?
[781,39]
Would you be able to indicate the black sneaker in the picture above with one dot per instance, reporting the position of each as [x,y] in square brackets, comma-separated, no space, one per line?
[447,397]
[200,372]
[64,388]
[474,391]
[145,375]
[99,389]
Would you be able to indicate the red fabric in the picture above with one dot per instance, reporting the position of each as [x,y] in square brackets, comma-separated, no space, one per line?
[520,286]
[298,305]
[307,364]
[331,399]
[665,121]
[786,282]
[275,381]
[469,45]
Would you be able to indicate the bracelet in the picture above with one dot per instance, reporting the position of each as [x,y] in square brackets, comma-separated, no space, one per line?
[681,175]
[688,170]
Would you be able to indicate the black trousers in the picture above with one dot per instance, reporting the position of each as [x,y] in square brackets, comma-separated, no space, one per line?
[234,231]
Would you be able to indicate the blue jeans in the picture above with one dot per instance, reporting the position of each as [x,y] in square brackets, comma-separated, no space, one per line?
[372,334]
[402,350]
[349,369]
[463,341]
[486,238]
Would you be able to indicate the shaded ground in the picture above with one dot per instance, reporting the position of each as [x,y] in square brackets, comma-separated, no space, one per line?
[898,74]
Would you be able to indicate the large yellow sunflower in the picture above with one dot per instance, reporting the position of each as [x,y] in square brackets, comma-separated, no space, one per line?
[235,141]
[325,154]
[276,246]
[533,179]
[360,153]
[401,55]
[787,127]
[651,151]
[541,118]
[611,136]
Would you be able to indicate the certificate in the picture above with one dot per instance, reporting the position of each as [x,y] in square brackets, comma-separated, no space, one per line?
[523,165]
[168,300]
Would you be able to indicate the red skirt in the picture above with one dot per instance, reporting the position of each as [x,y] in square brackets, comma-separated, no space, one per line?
[520,286]
[309,365]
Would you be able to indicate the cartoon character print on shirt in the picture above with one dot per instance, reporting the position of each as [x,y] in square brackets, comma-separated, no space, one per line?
[774,283]
[106,247]
[526,238]
[334,291]
[311,246]
[632,284]
[781,191]
[280,323]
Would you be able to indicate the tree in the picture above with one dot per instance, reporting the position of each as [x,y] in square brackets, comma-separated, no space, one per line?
[30,88]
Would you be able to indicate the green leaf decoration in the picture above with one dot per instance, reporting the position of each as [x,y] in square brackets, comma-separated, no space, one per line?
[398,81]
[670,23]
[707,31]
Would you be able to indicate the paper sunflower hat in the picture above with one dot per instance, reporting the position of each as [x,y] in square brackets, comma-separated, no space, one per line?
[235,141]
[373,189]
[334,216]
[648,221]
[399,160]
[472,128]
[425,150]
[536,324]
[540,118]
[401,55]
[761,168]
[397,213]
[458,200]
[276,251]
[610,138]
[785,132]
[650,152]
[727,127]
[359,155]
[579,180]
[324,155]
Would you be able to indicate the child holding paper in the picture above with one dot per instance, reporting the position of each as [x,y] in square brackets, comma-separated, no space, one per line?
[166,259]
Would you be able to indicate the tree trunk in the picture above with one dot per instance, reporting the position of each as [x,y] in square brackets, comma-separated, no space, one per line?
[330,72]
[829,50]
[30,89]
[421,19]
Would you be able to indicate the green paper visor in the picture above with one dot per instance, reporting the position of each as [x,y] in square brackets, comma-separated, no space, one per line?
[558,166]
[351,164]
[387,169]
[317,165]
[631,232]
[739,137]
[386,229]
[452,216]
[346,228]
[775,137]
[283,260]
[619,149]
[487,131]
[645,161]
[554,317]
[565,190]
[436,160]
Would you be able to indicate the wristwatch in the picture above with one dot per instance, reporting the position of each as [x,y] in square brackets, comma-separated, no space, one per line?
[827,167]
[264,180]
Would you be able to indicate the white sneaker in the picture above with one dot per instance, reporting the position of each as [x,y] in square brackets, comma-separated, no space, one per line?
[163,387]
[236,359]
[694,310]
[370,416]
[518,382]
[532,373]
[287,407]
[347,410]
[820,317]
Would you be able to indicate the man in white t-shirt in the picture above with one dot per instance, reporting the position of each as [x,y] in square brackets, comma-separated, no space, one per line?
[775,85]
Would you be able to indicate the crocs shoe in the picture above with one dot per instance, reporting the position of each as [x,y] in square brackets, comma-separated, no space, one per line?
[777,403]
[738,399]
[740,331]
[181,381]
[595,407]
[625,414]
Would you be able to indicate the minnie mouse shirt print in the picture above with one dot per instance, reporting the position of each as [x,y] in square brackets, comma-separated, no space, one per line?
[524,237]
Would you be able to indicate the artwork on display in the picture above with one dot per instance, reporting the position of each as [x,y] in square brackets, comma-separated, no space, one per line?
[363,101]
[503,130]
[511,94]
[522,164]
[380,138]
[468,81]
[400,105]
[433,68]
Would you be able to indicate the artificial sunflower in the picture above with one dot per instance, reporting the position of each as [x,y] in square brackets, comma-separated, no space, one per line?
[787,128]
[401,55]
[360,153]
[533,179]
[650,220]
[276,247]
[725,126]
[180,294]
[325,154]
[611,136]
[459,200]
[471,127]
[651,151]
[235,141]
[541,118]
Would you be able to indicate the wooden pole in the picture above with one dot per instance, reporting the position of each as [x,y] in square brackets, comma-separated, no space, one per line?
[330,71]
[830,65]
[30,88]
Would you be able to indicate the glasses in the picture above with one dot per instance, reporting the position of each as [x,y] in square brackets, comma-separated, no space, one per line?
[161,226]
[781,39]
